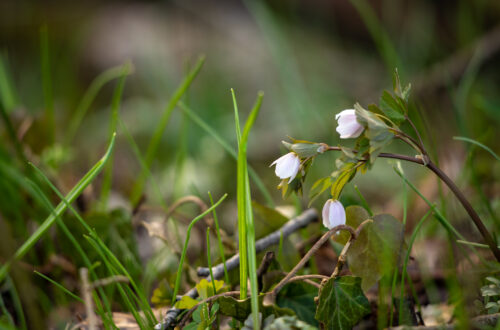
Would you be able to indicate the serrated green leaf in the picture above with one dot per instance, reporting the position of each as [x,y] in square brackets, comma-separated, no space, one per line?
[375,252]
[391,108]
[342,303]
[299,297]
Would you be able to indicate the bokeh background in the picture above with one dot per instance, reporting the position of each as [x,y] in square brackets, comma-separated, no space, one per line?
[311,59]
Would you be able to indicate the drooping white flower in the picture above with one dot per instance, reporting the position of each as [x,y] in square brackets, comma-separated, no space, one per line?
[333,214]
[348,125]
[287,166]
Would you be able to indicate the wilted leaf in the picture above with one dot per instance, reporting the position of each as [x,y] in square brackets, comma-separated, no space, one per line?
[299,297]
[342,303]
[240,309]
[375,252]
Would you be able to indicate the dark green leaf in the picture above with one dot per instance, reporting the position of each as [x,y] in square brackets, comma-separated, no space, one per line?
[240,309]
[375,252]
[342,303]
[391,108]
[355,215]
[299,297]
[267,219]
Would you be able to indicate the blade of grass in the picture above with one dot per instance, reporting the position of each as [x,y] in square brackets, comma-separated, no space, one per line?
[219,240]
[253,175]
[245,215]
[160,128]
[6,314]
[18,307]
[363,201]
[47,85]
[115,107]
[89,96]
[61,207]
[479,144]
[184,250]
[407,258]
[209,261]
[7,96]
[69,293]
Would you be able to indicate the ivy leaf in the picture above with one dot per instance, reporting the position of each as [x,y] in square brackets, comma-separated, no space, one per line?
[299,297]
[287,323]
[341,303]
[391,108]
[376,250]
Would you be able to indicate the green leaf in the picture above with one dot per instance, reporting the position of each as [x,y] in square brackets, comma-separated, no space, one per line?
[162,294]
[375,252]
[186,302]
[342,303]
[266,219]
[205,288]
[240,309]
[319,187]
[346,174]
[299,297]
[391,108]
[287,323]
[355,215]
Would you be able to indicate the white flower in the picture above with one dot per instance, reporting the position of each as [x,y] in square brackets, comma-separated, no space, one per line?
[287,166]
[333,214]
[348,125]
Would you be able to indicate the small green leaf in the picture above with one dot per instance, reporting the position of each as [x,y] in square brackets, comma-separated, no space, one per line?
[342,303]
[205,288]
[391,108]
[299,297]
[344,176]
[186,302]
[287,323]
[162,294]
[375,252]
[319,187]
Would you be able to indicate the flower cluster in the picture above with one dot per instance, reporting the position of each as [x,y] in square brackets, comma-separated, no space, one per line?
[288,166]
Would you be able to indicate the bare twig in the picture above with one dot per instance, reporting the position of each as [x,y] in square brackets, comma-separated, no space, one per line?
[87,298]
[291,226]
[308,255]
[109,280]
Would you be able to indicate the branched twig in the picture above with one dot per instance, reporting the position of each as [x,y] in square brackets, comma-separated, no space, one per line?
[218,271]
[308,255]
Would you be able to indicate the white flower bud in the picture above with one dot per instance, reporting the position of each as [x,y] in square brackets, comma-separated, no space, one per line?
[348,125]
[287,166]
[333,214]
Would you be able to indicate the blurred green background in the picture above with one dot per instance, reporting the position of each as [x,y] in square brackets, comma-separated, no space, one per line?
[312,59]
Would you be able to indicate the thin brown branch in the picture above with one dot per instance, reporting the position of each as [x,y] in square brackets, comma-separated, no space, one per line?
[308,255]
[87,299]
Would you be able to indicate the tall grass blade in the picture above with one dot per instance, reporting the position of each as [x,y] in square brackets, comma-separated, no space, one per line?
[184,250]
[229,149]
[477,143]
[160,128]
[219,240]
[89,96]
[115,107]
[59,286]
[7,95]
[49,221]
[47,85]
[246,226]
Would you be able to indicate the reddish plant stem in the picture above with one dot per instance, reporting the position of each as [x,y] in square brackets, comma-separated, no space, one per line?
[456,191]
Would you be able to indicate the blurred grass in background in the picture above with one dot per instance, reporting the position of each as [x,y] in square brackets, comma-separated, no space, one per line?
[312,59]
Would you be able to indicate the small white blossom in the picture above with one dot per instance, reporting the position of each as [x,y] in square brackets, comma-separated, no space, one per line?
[287,166]
[348,125]
[333,214]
